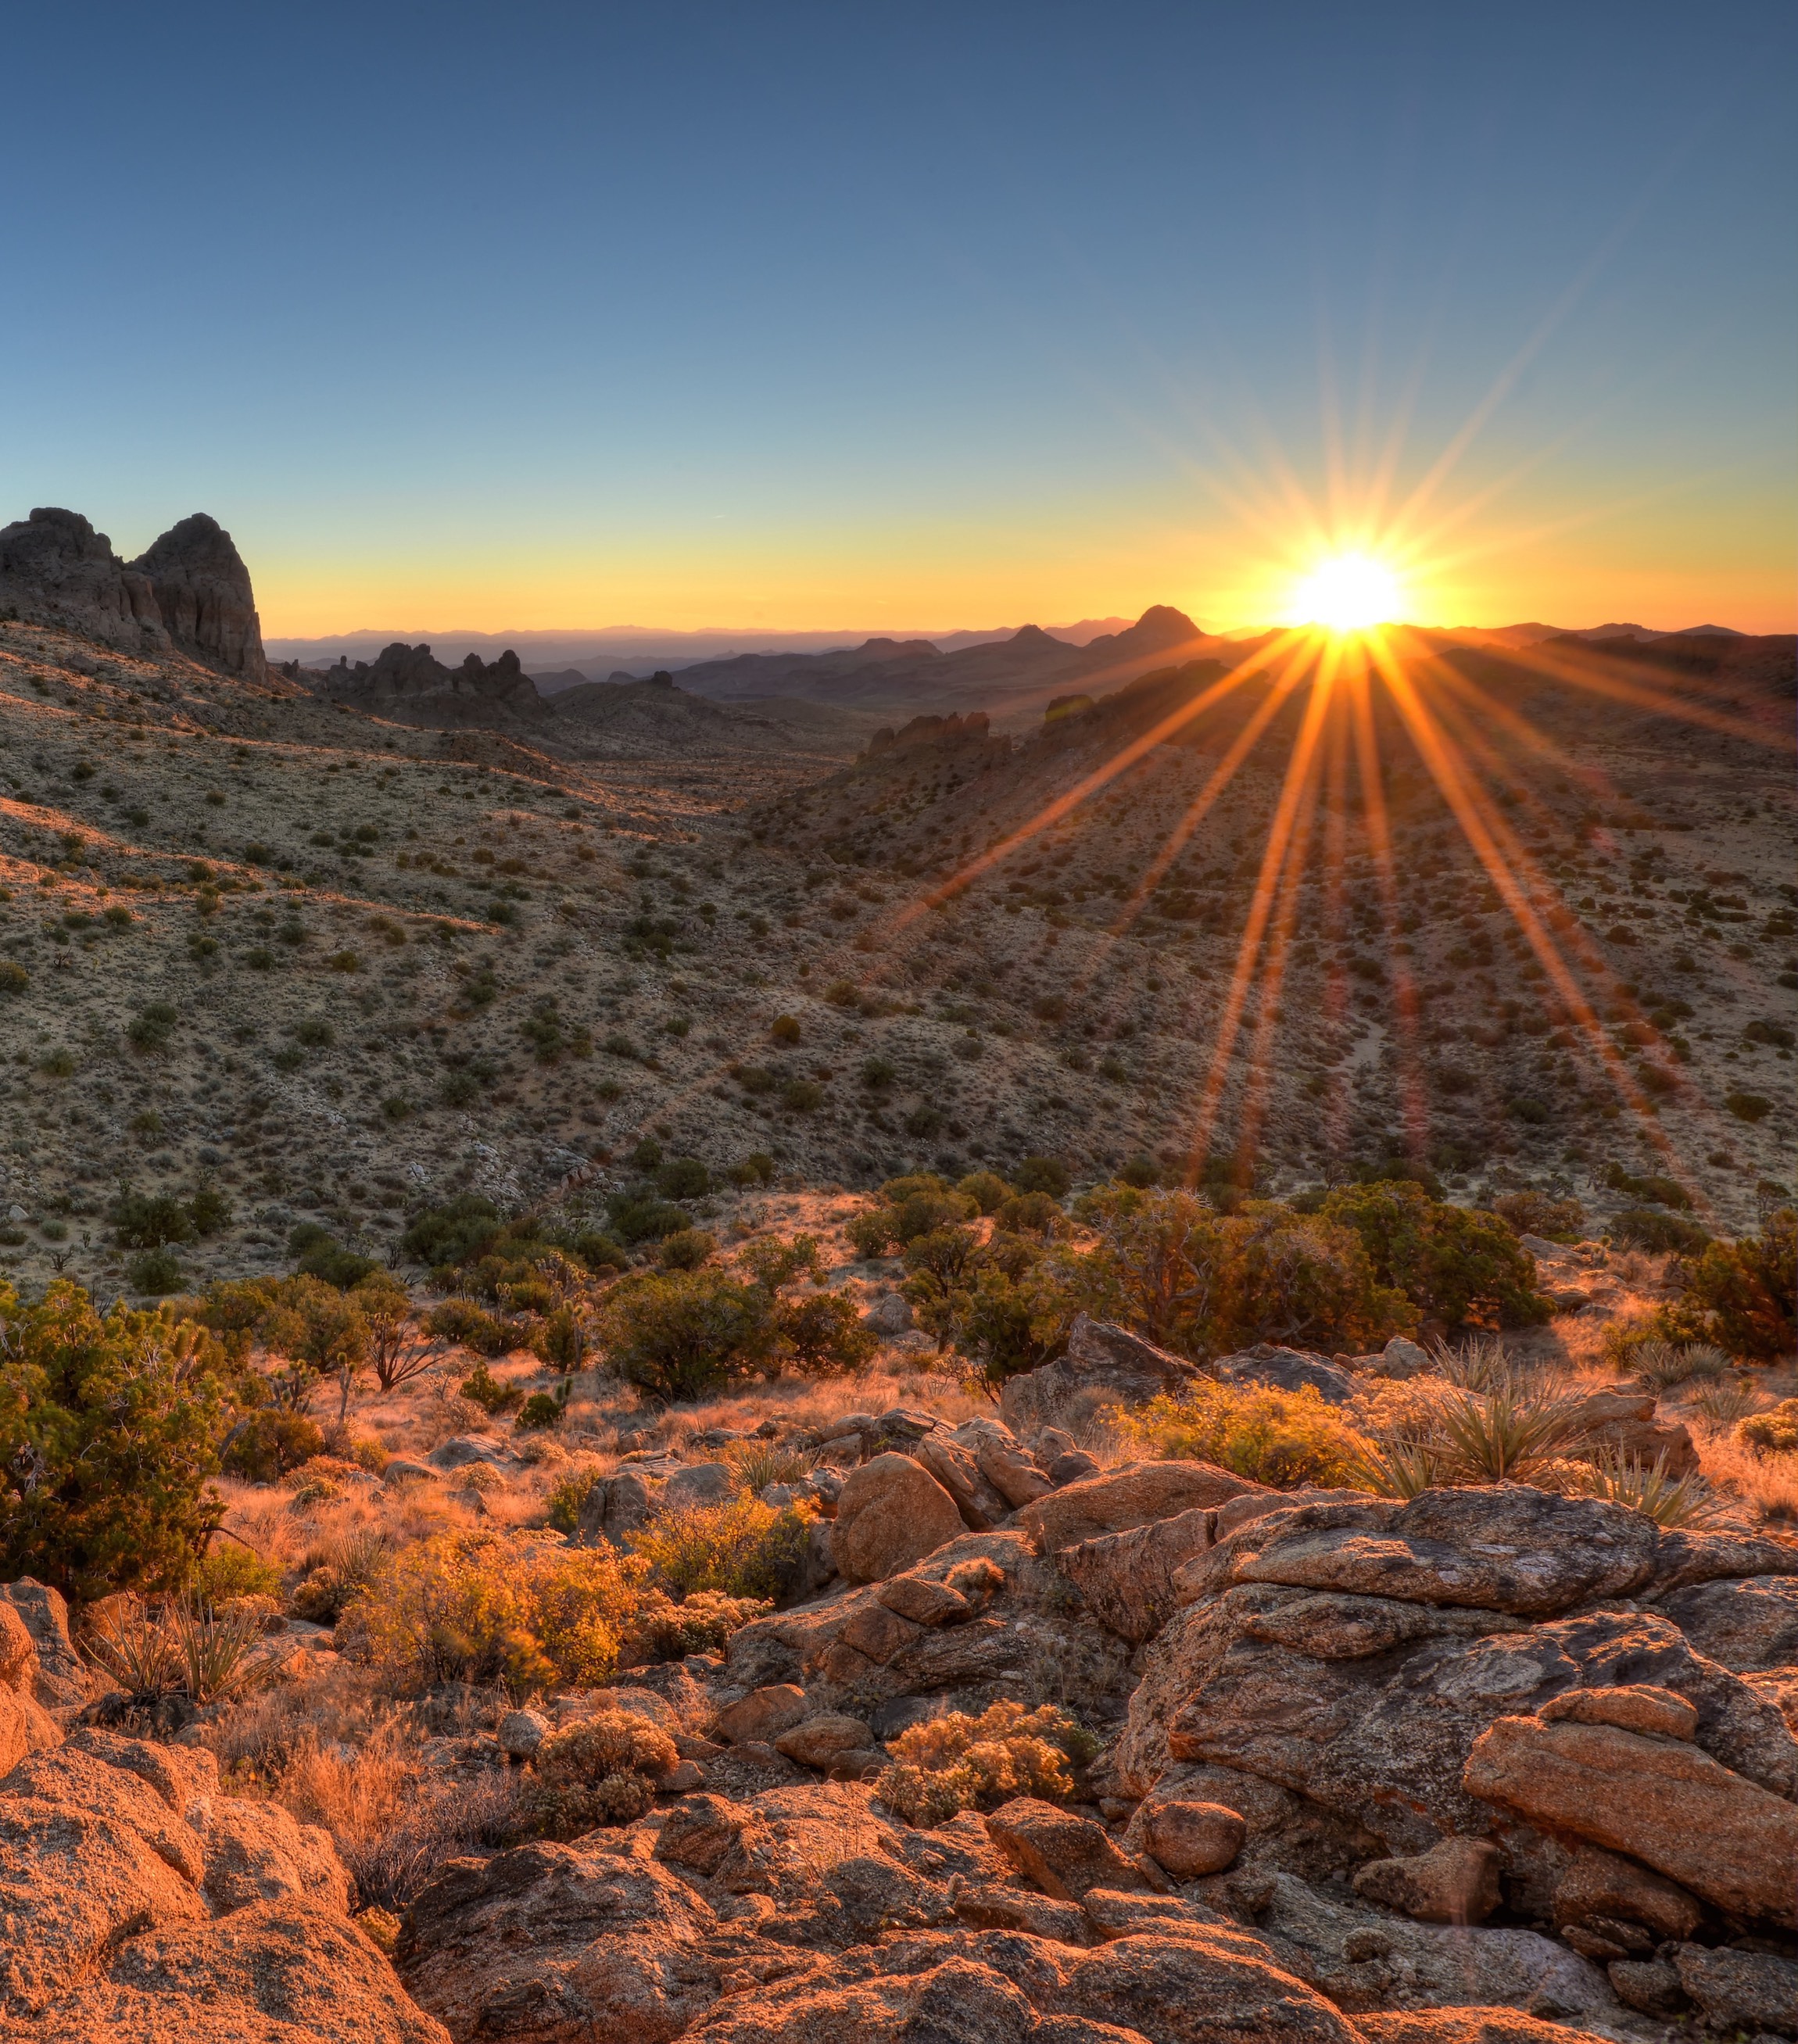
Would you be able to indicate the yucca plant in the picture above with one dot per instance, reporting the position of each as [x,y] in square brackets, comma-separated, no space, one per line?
[1399,1468]
[215,1656]
[759,1463]
[1661,1365]
[1482,1365]
[131,1644]
[1722,1405]
[1506,1435]
[1648,1487]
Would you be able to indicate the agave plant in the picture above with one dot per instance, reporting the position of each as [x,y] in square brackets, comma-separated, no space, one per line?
[1482,1366]
[1649,1488]
[1660,1364]
[1508,1435]
[1722,1405]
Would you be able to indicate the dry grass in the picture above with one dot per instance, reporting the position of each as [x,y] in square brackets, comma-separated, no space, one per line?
[1769,1483]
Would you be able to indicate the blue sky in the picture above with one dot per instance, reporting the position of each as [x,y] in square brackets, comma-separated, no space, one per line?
[916,316]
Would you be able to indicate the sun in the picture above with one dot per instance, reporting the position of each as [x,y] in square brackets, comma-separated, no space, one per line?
[1347,593]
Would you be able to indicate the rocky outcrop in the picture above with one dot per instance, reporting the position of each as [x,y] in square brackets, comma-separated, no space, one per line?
[189,593]
[408,683]
[201,590]
[1103,1365]
[891,1514]
[142,1903]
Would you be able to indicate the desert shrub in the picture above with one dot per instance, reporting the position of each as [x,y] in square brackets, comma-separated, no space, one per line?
[265,1445]
[560,1339]
[317,1253]
[1644,1228]
[959,1761]
[1464,1269]
[349,1568]
[1663,1364]
[483,1389]
[821,1334]
[602,1770]
[743,1548]
[542,1409]
[1029,1213]
[1281,1438]
[1508,1435]
[701,1623]
[481,1608]
[1774,1432]
[1169,1266]
[1542,1214]
[1743,1296]
[683,1178]
[686,1248]
[1748,1106]
[641,1216]
[150,1220]
[756,1169]
[155,1272]
[986,1189]
[462,1320]
[1720,1404]
[447,1235]
[567,1497]
[680,1333]
[1042,1174]
[109,1430]
[229,1570]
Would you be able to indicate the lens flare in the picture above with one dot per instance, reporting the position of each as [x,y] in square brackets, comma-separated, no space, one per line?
[1347,593]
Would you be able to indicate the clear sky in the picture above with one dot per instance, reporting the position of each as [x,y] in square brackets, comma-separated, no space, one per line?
[912,315]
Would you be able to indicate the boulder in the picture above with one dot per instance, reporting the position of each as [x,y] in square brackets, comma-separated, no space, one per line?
[614,1508]
[256,1852]
[25,1727]
[1103,1365]
[1401,1357]
[401,1469]
[816,1742]
[889,1315]
[1651,1986]
[700,1484]
[276,1972]
[1462,2026]
[1127,1579]
[1287,1369]
[1362,1961]
[1202,1987]
[561,1944]
[1061,1853]
[891,1513]
[1192,1839]
[1622,1421]
[1122,1498]
[763,1714]
[1631,1706]
[1455,1882]
[922,1602]
[465,1450]
[521,1733]
[76,1779]
[18,1652]
[1658,1801]
[1741,1991]
[1604,1887]
[1746,1626]
[60,1680]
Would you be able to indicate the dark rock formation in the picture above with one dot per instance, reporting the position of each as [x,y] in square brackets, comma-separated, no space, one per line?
[409,683]
[202,589]
[190,592]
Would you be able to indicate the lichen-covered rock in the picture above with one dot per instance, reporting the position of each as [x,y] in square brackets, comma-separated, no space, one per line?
[1741,1991]
[1455,1882]
[1127,1579]
[1059,1852]
[1132,1495]
[60,1680]
[1747,1627]
[1190,1838]
[1103,1365]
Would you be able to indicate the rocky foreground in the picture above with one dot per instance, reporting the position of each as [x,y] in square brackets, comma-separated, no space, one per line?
[1490,1764]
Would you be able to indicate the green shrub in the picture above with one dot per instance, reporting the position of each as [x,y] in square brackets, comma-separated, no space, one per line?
[680,1334]
[482,1388]
[601,1769]
[462,1320]
[153,1025]
[741,1548]
[14,978]
[701,1623]
[986,1189]
[263,1446]
[560,1339]
[542,1409]
[1743,1296]
[756,1169]
[683,1178]
[1642,1228]
[318,1253]
[822,1335]
[1042,1174]
[229,1570]
[1774,1432]
[1284,1438]
[1540,1214]
[640,1217]
[119,1421]
[687,1248]
[1748,1106]
[155,1272]
[1029,1213]
[1464,1269]
[447,1235]
[150,1220]
[568,1495]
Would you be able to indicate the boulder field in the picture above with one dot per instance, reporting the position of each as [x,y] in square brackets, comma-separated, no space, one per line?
[1485,1766]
